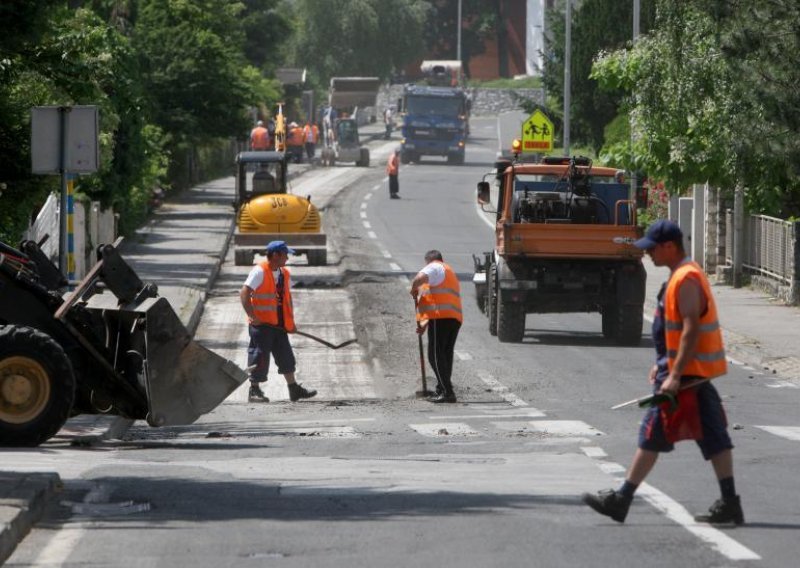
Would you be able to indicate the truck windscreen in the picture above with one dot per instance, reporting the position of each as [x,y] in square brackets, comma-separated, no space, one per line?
[446,106]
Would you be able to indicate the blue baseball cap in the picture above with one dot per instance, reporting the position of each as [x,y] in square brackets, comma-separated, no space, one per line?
[662,231]
[279,246]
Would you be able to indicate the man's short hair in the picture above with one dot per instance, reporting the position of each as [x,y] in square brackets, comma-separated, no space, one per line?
[432,255]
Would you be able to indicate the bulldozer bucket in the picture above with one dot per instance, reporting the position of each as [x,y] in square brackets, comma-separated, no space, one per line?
[183,379]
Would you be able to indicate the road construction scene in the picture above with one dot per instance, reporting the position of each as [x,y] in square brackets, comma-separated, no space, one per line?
[389,282]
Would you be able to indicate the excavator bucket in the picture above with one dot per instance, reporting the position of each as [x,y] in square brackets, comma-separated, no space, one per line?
[184,380]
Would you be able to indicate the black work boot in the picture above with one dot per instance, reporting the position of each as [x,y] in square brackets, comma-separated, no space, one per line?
[296,392]
[724,511]
[256,394]
[609,503]
[443,397]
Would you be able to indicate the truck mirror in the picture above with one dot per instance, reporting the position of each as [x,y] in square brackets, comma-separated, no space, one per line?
[483,192]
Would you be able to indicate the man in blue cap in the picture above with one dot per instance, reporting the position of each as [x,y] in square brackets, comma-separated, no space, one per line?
[267,300]
[689,353]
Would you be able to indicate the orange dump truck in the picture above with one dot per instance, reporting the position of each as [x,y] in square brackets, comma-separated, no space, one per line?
[564,238]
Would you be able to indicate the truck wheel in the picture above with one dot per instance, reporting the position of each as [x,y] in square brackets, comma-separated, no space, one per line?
[629,325]
[609,316]
[510,321]
[243,257]
[364,161]
[317,257]
[491,298]
[405,157]
[37,386]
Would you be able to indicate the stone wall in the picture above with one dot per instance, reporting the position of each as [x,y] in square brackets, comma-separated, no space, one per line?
[485,102]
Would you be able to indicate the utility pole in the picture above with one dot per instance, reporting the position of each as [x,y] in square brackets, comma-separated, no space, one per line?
[458,40]
[567,74]
[636,17]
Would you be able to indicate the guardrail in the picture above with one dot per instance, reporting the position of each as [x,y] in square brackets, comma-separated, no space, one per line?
[771,251]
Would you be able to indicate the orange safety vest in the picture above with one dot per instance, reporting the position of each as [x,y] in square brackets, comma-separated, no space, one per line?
[392,165]
[265,299]
[311,133]
[709,359]
[442,301]
[295,137]
[259,138]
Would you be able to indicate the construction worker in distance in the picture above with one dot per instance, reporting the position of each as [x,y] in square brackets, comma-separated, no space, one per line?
[437,293]
[259,137]
[294,142]
[310,138]
[689,352]
[393,171]
[266,298]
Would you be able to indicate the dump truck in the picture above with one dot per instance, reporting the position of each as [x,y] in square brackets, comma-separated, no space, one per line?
[348,99]
[111,346]
[564,237]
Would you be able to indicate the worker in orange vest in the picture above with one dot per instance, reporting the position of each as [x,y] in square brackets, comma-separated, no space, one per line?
[259,137]
[294,142]
[310,137]
[393,171]
[437,293]
[689,353]
[266,298]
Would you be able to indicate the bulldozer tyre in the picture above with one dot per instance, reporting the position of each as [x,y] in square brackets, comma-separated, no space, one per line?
[37,386]
[364,161]
[491,298]
[510,321]
[317,257]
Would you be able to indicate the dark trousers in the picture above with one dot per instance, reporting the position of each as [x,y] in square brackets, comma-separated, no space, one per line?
[311,149]
[394,185]
[442,335]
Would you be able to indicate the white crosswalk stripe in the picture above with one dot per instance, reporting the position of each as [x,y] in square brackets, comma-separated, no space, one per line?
[788,432]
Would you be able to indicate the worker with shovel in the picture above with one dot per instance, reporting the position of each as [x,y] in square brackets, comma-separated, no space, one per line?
[267,300]
[437,293]
[689,353]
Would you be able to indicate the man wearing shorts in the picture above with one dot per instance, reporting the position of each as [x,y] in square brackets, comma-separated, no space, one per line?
[267,300]
[689,352]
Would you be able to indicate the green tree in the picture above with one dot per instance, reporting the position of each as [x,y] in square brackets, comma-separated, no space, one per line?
[358,37]
[597,25]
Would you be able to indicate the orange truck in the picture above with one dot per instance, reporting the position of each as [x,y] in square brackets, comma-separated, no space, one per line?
[564,237]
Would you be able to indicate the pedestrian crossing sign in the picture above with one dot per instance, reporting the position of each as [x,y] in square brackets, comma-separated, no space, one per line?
[537,134]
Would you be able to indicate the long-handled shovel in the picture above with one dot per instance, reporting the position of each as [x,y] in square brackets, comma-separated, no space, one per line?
[424,392]
[317,339]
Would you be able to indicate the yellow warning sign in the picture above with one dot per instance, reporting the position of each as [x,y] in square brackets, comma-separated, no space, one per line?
[537,134]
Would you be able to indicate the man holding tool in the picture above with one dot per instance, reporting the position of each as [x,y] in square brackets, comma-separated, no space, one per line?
[689,353]
[267,300]
[437,293]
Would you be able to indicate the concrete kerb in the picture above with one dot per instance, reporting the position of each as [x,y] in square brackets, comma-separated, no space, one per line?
[22,502]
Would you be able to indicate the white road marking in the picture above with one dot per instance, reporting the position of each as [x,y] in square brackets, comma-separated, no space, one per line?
[60,547]
[386,253]
[594,452]
[441,429]
[789,432]
[551,427]
[366,224]
[363,205]
[501,389]
[463,356]
[363,214]
[368,196]
[782,385]
[395,267]
[532,413]
[372,235]
[376,187]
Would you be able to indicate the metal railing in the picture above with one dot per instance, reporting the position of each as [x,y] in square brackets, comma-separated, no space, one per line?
[769,246]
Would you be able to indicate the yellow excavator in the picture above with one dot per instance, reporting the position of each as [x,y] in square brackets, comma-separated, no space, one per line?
[266,211]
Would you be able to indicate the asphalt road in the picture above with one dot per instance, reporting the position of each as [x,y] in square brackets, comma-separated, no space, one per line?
[367,475]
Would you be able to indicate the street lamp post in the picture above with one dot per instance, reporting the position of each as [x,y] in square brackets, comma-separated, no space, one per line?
[458,39]
[567,74]
[636,17]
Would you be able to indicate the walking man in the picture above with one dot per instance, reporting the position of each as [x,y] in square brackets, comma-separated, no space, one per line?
[310,135]
[436,290]
[689,351]
[267,300]
[393,171]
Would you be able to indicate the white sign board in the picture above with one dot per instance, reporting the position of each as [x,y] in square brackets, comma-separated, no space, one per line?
[82,153]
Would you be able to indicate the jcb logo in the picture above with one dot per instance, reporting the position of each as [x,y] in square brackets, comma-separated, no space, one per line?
[279,202]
